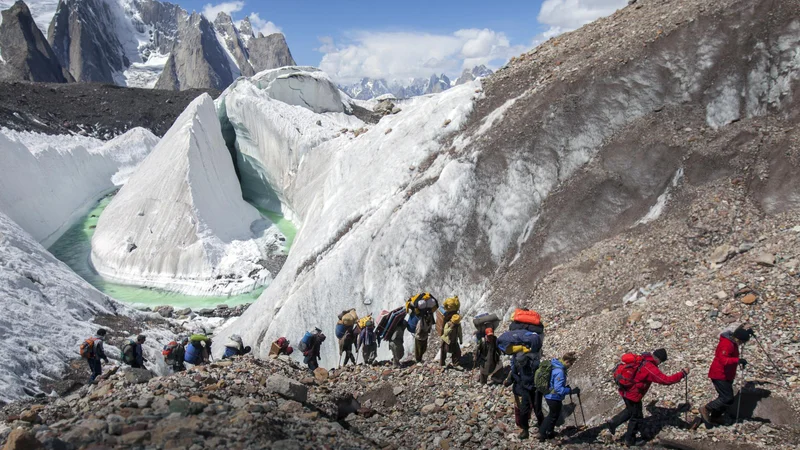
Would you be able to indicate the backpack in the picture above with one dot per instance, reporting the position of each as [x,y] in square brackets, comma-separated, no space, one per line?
[422,302]
[484,321]
[168,349]
[349,318]
[538,329]
[526,316]
[411,324]
[626,371]
[341,330]
[365,322]
[510,341]
[128,359]
[87,348]
[541,379]
[452,304]
[305,342]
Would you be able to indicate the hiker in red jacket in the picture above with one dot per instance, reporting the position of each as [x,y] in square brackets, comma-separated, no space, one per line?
[647,373]
[723,372]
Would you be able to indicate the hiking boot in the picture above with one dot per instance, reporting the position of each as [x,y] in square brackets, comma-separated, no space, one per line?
[704,414]
[524,434]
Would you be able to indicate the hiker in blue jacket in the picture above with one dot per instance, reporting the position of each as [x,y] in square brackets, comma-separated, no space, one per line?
[558,391]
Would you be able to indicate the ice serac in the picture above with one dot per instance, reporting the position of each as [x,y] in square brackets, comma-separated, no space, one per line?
[48,182]
[84,38]
[197,59]
[25,54]
[180,222]
[269,52]
[272,120]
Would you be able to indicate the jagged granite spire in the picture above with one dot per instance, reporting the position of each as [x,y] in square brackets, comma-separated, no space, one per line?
[236,46]
[269,52]
[25,54]
[197,59]
[84,39]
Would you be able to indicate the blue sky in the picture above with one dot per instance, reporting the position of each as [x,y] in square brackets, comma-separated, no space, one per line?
[355,38]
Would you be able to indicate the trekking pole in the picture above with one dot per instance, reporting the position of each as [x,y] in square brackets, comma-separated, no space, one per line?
[771,361]
[741,389]
[580,403]
[686,413]
[574,417]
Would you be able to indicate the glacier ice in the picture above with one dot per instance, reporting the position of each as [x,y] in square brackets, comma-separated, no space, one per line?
[180,222]
[49,182]
[378,212]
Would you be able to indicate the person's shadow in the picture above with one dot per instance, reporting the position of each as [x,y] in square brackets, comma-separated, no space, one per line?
[746,401]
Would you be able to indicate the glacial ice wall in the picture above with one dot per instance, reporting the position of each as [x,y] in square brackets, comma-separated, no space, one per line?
[48,182]
[180,222]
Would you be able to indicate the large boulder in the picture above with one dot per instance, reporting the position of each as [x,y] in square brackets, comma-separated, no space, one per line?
[288,388]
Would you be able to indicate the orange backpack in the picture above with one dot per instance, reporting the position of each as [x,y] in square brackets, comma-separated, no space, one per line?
[87,348]
[528,316]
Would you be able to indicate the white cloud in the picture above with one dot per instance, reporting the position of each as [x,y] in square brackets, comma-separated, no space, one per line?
[402,55]
[566,15]
[263,26]
[211,11]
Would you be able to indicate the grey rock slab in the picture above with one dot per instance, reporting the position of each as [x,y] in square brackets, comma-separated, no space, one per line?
[138,376]
[287,387]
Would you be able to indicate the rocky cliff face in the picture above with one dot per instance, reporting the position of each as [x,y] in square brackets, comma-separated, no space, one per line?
[197,59]
[230,37]
[25,54]
[131,42]
[84,38]
[269,52]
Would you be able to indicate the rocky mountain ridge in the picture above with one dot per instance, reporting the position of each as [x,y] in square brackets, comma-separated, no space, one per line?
[369,88]
[144,43]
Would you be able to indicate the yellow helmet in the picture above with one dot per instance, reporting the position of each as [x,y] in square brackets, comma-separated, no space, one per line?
[456,319]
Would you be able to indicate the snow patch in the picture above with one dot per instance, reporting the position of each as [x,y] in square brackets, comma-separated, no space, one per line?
[661,203]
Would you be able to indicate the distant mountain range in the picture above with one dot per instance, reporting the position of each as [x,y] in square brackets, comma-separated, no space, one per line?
[137,43]
[369,88]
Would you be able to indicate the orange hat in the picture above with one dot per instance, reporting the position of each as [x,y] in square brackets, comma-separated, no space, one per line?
[489,332]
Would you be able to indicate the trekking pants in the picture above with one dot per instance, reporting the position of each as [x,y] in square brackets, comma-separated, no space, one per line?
[96,367]
[632,413]
[419,348]
[397,351]
[454,349]
[524,405]
[549,425]
[370,353]
[312,362]
[724,398]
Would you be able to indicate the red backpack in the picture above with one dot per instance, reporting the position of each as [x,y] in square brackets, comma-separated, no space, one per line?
[168,349]
[626,371]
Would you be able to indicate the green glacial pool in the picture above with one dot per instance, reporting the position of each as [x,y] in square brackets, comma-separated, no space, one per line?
[74,247]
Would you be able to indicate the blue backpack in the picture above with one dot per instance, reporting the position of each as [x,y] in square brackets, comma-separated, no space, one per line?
[519,337]
[412,321]
[305,342]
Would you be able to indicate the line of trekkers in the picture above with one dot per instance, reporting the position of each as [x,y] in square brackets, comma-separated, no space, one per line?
[534,380]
